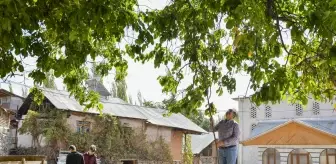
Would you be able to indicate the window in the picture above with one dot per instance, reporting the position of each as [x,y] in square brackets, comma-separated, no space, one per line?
[253,112]
[268,112]
[316,108]
[328,156]
[299,156]
[271,156]
[83,126]
[298,109]
[253,126]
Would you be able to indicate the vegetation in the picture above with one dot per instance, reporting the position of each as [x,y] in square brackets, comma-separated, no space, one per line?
[4,144]
[212,39]
[113,140]
[187,152]
[49,81]
[198,118]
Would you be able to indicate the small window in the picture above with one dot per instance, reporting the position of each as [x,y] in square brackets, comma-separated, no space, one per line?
[298,109]
[83,126]
[268,112]
[328,156]
[271,156]
[299,156]
[316,108]
[253,112]
[253,126]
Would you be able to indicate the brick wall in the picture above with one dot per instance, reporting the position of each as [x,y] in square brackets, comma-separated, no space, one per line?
[176,145]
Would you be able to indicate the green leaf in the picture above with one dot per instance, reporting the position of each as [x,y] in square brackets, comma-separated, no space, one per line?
[72,35]
[230,24]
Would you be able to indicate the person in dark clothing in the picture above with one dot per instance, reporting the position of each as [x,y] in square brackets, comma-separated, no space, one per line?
[74,157]
[90,157]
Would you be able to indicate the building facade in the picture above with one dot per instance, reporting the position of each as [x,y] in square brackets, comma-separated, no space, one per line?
[150,120]
[9,104]
[266,122]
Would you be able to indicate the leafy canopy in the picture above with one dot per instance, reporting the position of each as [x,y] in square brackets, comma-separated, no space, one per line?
[210,36]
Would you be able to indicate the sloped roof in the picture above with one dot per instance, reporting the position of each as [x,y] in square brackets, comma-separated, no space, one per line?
[327,125]
[200,142]
[322,125]
[97,86]
[4,92]
[119,108]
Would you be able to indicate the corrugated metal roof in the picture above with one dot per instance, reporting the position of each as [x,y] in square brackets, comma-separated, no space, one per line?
[327,125]
[200,142]
[119,108]
[96,85]
[155,116]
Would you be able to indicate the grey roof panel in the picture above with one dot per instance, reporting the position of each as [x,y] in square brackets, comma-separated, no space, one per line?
[119,108]
[264,126]
[200,142]
[176,120]
[324,124]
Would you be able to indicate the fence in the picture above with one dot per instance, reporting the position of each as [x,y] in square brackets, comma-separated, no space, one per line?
[17,159]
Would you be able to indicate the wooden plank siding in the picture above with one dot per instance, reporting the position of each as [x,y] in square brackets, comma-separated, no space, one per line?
[284,153]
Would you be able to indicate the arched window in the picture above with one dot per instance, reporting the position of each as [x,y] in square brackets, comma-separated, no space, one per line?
[298,109]
[253,112]
[268,112]
[271,156]
[328,156]
[316,108]
[299,156]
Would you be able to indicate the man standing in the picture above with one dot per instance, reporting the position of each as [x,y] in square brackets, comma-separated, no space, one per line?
[228,138]
[90,157]
[74,157]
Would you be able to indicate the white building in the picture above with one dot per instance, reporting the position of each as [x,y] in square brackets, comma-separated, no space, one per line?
[289,133]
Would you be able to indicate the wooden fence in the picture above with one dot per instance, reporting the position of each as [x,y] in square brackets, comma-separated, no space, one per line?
[21,159]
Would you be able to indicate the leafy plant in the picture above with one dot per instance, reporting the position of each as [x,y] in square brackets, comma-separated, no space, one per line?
[187,154]
[214,41]
[32,125]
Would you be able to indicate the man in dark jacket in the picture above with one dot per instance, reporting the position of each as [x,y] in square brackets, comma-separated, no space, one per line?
[90,157]
[74,157]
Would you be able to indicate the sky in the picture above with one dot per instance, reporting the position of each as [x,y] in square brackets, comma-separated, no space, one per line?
[143,77]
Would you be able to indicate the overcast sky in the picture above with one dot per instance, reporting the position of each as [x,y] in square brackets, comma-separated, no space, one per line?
[144,77]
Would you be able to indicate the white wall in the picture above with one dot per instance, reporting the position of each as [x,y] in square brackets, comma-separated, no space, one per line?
[283,110]
[15,103]
[284,151]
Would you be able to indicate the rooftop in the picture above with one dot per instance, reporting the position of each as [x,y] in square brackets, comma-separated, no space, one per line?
[119,108]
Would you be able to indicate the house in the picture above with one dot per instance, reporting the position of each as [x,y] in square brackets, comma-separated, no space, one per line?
[10,100]
[151,120]
[9,104]
[287,133]
[204,148]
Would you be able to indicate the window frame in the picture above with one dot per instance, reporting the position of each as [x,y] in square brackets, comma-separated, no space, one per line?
[297,156]
[276,154]
[83,126]
[327,155]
